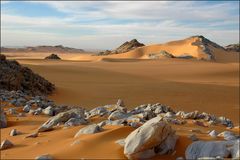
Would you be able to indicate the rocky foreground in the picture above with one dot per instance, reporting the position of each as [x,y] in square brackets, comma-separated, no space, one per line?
[153,133]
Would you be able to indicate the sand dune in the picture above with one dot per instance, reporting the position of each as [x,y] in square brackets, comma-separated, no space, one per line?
[177,48]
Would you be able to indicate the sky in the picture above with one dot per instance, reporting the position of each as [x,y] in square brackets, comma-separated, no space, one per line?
[107,24]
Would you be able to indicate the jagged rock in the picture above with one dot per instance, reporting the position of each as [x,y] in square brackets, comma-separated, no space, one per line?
[125,47]
[75,122]
[153,137]
[233,47]
[3,119]
[53,56]
[121,142]
[90,129]
[48,111]
[6,144]
[44,157]
[61,118]
[14,132]
[200,149]
[13,76]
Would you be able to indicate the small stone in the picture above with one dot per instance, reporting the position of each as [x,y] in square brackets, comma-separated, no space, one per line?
[120,103]
[76,142]
[14,132]
[121,142]
[6,144]
[44,157]
[213,133]
[26,108]
[32,135]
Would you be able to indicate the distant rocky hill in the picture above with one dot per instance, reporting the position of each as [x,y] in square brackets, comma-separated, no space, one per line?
[58,48]
[125,47]
[13,76]
[233,47]
[53,56]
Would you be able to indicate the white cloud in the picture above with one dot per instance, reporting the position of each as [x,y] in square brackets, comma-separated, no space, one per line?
[150,22]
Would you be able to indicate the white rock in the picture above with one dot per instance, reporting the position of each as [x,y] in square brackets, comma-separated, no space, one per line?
[200,149]
[141,142]
[61,118]
[235,149]
[213,133]
[14,132]
[227,135]
[44,157]
[90,129]
[48,111]
[6,144]
[75,122]
[118,115]
[121,142]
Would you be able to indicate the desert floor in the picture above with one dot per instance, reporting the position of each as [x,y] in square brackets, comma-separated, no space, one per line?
[186,85]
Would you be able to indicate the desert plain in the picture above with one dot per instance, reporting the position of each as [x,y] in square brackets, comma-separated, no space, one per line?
[89,81]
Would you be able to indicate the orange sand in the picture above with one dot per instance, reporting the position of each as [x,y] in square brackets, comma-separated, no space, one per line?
[90,81]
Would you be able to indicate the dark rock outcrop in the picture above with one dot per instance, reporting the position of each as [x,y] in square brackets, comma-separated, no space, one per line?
[125,47]
[53,56]
[13,76]
[233,47]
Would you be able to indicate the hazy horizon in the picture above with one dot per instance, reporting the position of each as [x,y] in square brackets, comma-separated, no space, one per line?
[100,25]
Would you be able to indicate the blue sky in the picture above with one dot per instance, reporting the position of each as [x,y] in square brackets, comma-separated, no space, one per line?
[107,24]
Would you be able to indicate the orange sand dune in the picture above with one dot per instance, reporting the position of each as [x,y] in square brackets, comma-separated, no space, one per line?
[183,84]
[176,48]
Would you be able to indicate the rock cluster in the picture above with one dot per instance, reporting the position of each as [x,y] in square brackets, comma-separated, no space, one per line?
[161,54]
[125,47]
[153,134]
[13,76]
[53,56]
[233,47]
